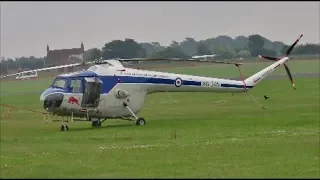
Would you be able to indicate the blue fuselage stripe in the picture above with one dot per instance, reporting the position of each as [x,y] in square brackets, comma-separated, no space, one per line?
[130,79]
[110,81]
[235,86]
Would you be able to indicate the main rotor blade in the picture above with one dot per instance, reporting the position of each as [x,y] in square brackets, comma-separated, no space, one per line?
[292,46]
[45,69]
[150,59]
[290,77]
[269,58]
[178,59]
[9,75]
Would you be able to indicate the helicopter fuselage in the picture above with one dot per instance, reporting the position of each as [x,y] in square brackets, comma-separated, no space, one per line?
[102,89]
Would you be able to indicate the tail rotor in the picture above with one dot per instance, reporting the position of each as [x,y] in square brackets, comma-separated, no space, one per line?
[285,65]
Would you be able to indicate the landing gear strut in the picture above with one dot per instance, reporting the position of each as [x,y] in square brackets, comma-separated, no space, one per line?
[139,121]
[63,126]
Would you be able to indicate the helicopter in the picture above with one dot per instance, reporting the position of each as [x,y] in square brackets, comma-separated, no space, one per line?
[108,90]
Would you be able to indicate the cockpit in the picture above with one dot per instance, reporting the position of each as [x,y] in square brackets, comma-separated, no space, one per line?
[85,85]
[77,83]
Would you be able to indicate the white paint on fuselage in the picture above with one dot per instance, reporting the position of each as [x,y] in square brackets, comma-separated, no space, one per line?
[112,107]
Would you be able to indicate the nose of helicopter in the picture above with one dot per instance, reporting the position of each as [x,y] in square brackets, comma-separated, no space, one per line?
[51,101]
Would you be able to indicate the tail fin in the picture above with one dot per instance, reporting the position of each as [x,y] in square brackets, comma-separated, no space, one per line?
[258,77]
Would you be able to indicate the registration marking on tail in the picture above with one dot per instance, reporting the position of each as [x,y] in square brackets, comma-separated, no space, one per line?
[276,66]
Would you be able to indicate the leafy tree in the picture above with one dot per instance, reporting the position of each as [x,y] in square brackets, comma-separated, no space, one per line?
[170,52]
[225,41]
[255,44]
[202,49]
[152,48]
[278,46]
[189,46]
[128,48]
[92,54]
[241,42]
[244,54]
[229,53]
[269,44]
[307,49]
[225,52]
[174,44]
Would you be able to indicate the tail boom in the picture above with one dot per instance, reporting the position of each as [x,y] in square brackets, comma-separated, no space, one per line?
[258,77]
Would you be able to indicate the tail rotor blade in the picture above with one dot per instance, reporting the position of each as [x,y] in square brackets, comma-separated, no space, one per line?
[290,77]
[292,46]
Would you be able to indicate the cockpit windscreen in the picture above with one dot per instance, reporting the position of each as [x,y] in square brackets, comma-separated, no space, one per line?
[60,83]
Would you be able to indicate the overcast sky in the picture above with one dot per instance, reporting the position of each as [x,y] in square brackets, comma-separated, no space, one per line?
[27,27]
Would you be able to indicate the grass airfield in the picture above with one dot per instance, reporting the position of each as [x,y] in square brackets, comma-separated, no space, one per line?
[187,135]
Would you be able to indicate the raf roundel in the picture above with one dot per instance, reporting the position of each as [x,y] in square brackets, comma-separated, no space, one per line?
[178,82]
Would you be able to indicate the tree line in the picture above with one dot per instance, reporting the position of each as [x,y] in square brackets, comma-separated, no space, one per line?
[224,47]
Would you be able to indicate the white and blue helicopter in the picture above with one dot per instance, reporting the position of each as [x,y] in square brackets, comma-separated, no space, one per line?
[108,90]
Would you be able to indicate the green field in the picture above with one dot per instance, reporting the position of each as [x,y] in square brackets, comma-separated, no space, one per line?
[217,135]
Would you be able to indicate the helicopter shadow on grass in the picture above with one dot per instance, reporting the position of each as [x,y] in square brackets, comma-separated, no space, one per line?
[103,126]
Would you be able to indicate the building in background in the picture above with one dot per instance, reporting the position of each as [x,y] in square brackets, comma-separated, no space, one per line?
[58,57]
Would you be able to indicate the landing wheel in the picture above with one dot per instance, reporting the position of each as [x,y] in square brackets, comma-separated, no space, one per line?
[140,122]
[64,128]
[96,124]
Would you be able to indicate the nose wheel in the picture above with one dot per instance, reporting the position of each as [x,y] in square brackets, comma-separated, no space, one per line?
[63,126]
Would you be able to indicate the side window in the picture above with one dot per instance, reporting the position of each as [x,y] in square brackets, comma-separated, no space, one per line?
[76,86]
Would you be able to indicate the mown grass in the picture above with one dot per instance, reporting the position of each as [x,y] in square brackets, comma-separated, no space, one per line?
[217,135]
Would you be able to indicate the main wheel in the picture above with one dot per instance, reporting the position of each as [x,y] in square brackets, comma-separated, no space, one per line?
[64,128]
[96,123]
[140,122]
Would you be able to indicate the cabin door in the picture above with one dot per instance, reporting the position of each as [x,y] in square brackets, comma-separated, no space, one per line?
[92,91]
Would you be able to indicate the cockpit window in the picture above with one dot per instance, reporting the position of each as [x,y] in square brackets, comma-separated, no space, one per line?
[76,86]
[59,83]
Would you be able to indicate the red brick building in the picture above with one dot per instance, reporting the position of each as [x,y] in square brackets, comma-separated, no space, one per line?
[58,57]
